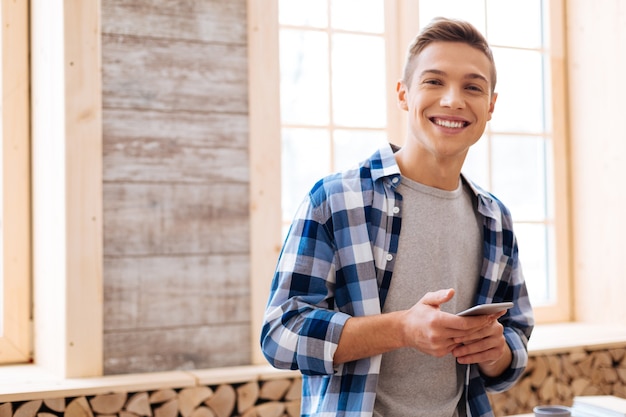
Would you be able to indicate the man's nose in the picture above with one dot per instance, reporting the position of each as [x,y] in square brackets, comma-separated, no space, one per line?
[452,98]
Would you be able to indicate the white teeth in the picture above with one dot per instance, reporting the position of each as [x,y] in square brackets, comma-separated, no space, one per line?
[449,123]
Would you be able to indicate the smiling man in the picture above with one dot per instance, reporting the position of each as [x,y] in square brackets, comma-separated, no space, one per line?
[380,258]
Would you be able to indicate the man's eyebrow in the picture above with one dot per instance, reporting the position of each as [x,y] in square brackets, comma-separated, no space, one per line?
[470,76]
[475,76]
[432,71]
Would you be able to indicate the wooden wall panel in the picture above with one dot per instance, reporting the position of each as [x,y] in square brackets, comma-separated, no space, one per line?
[173,75]
[176,185]
[153,292]
[190,347]
[188,147]
[196,20]
[144,219]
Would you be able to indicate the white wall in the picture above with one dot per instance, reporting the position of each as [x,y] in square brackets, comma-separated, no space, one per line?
[597,99]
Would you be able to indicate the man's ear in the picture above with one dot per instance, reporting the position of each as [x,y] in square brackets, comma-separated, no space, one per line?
[492,105]
[401,91]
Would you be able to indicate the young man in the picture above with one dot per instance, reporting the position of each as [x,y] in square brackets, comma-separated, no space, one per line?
[380,258]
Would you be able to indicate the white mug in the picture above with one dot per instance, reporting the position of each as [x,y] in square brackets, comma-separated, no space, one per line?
[552,411]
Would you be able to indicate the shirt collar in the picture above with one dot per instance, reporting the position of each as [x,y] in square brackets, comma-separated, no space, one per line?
[383,164]
[487,204]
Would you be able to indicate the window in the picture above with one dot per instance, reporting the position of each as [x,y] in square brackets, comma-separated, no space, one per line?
[15,343]
[333,90]
[333,107]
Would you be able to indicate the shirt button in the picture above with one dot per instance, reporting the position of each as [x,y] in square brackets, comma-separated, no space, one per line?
[394,180]
[389,256]
[396,210]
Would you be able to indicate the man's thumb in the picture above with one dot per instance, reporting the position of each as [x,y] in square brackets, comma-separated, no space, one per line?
[436,298]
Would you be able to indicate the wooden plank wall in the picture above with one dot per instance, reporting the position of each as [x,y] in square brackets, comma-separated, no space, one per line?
[176,182]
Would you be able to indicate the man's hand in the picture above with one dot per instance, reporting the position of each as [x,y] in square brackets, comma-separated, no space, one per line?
[436,333]
[487,347]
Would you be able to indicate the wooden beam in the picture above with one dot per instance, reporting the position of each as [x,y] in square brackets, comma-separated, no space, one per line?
[67,186]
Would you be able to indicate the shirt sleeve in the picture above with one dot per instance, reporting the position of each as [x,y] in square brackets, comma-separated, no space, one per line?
[301,329]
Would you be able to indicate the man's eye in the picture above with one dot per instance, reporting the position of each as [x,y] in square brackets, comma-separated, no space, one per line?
[475,88]
[432,82]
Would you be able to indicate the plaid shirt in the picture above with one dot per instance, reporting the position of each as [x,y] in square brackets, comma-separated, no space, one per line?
[337,262]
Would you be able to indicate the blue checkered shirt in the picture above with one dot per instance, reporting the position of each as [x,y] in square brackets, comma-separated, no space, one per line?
[337,262]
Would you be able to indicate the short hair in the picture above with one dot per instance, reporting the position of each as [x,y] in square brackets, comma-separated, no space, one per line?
[442,29]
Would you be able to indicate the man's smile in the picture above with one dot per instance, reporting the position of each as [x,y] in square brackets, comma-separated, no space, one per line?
[453,124]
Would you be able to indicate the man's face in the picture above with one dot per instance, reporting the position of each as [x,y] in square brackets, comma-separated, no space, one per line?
[448,99]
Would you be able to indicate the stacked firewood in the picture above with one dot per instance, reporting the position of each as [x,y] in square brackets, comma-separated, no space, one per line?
[558,378]
[271,398]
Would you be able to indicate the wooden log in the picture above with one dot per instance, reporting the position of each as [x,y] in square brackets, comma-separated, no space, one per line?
[619,390]
[79,407]
[523,391]
[190,398]
[247,396]
[168,409]
[202,411]
[602,359]
[563,391]
[139,404]
[28,409]
[55,404]
[621,371]
[576,357]
[609,375]
[108,403]
[579,385]
[250,413]
[274,389]
[585,366]
[555,366]
[223,401]
[547,390]
[617,354]
[295,391]
[52,415]
[569,369]
[125,413]
[597,376]
[270,409]
[540,372]
[162,396]
[592,390]
[6,410]
[293,408]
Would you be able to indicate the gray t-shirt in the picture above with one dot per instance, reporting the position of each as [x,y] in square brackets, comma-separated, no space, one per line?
[440,247]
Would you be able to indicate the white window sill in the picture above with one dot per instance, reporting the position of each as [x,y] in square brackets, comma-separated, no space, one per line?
[30,382]
[568,337]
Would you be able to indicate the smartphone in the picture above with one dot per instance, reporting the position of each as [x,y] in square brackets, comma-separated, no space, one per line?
[482,309]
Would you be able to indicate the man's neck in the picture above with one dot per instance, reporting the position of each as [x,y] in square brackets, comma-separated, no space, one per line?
[442,174]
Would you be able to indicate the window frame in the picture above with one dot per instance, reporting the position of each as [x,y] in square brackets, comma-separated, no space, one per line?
[61,229]
[402,17]
[562,310]
[15,340]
